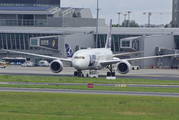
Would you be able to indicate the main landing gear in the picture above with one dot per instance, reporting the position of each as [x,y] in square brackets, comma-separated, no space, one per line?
[111,73]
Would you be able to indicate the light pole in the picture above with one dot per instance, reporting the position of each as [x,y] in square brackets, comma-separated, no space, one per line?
[97,24]
[125,19]
[128,17]
[149,14]
[119,18]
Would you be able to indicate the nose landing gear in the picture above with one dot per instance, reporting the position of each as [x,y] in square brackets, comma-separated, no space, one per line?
[78,73]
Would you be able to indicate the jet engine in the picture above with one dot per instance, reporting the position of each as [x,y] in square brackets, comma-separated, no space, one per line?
[123,67]
[56,66]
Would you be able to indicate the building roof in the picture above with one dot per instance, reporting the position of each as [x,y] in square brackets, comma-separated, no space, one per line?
[63,11]
[29,10]
[131,38]
[25,8]
[87,30]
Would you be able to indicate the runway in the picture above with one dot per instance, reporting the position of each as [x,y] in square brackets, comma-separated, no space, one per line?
[157,74]
[90,92]
[107,85]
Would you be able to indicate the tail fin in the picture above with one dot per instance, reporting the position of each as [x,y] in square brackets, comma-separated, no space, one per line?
[69,51]
[108,40]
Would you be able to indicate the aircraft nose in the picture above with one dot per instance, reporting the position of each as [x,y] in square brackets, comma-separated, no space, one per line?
[78,64]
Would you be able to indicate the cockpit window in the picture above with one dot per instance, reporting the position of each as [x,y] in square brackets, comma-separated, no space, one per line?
[79,57]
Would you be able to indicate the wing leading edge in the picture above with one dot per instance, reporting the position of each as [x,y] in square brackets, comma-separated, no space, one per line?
[127,53]
[149,57]
[45,56]
[114,61]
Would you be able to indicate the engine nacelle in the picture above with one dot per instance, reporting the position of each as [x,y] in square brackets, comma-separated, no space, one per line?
[123,67]
[56,66]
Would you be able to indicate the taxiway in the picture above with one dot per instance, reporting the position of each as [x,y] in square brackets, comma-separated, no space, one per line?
[90,92]
[158,74]
[107,85]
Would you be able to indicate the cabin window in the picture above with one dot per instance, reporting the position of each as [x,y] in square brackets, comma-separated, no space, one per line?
[79,57]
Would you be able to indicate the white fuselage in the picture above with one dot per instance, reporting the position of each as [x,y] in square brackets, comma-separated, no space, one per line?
[91,58]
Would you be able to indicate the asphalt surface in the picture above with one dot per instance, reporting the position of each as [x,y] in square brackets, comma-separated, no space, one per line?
[157,74]
[90,92]
[107,85]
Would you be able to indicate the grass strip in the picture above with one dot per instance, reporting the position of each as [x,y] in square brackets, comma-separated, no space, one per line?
[83,87]
[48,106]
[55,79]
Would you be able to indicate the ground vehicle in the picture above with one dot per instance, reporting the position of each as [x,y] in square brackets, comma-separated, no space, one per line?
[3,63]
[30,64]
[2,66]
[24,64]
[43,63]
[16,61]
[27,64]
[91,73]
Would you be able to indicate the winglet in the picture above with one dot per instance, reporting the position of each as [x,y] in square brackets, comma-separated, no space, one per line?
[108,40]
[69,51]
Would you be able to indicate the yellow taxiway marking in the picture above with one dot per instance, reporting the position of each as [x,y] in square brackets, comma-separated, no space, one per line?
[120,86]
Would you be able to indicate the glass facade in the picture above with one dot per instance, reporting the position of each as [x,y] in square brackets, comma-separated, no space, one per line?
[115,43]
[18,41]
[21,41]
[33,42]
[125,43]
[176,39]
[30,3]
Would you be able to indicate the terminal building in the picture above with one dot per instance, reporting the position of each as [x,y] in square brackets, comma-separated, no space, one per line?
[32,27]
[31,3]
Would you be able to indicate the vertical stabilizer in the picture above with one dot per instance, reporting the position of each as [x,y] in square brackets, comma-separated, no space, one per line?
[108,40]
[69,51]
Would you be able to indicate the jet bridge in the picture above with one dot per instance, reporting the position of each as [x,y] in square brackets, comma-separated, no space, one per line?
[50,43]
[130,44]
[172,62]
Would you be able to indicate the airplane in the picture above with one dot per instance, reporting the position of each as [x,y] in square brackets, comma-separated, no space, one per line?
[93,59]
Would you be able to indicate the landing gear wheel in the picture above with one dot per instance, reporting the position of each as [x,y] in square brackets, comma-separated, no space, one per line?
[79,74]
[113,74]
[108,74]
[75,73]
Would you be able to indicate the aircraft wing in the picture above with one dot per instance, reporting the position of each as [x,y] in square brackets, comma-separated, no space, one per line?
[127,53]
[149,57]
[114,61]
[109,62]
[51,57]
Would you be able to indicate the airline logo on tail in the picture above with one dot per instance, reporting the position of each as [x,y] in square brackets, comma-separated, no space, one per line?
[69,51]
[108,40]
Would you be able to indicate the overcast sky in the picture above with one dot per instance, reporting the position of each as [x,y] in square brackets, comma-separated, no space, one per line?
[109,8]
